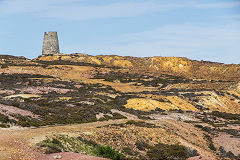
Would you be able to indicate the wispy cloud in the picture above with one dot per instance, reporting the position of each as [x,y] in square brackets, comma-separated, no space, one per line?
[77,10]
[95,12]
[29,6]
[199,42]
[231,17]
[217,5]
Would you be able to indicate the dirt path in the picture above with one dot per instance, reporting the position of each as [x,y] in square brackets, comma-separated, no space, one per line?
[19,144]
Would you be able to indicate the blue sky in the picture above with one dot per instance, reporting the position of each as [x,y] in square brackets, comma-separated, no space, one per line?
[197,29]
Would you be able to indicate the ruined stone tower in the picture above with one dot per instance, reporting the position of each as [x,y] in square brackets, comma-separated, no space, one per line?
[50,43]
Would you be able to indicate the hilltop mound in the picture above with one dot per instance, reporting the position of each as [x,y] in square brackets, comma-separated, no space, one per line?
[157,65]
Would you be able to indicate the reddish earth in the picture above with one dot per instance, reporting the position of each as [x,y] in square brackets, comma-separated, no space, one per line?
[44,90]
[8,110]
[8,92]
[228,142]
[72,156]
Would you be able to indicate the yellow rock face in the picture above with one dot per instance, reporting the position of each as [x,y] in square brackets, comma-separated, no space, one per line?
[238,87]
[122,63]
[49,58]
[221,103]
[66,58]
[236,93]
[181,104]
[175,64]
[80,58]
[145,104]
[107,60]
[95,60]
[65,98]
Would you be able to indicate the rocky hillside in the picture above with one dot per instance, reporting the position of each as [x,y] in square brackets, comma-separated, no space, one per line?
[158,65]
[195,84]
[172,101]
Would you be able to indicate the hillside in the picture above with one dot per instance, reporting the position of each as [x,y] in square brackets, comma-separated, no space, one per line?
[157,65]
[132,104]
[181,81]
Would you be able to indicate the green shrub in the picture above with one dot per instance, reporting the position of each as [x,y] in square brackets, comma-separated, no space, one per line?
[4,125]
[4,66]
[109,152]
[198,126]
[3,118]
[51,145]
[168,152]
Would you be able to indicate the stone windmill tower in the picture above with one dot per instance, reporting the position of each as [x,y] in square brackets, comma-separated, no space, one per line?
[50,44]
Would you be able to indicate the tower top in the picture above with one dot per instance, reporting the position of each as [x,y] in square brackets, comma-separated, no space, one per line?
[50,43]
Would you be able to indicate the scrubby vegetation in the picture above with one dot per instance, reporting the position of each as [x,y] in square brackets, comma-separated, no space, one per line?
[17,81]
[4,121]
[4,66]
[210,142]
[4,125]
[142,124]
[109,152]
[58,112]
[143,146]
[204,128]
[229,116]
[3,118]
[168,152]
[228,155]
[65,62]
[146,80]
[63,143]
[83,106]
